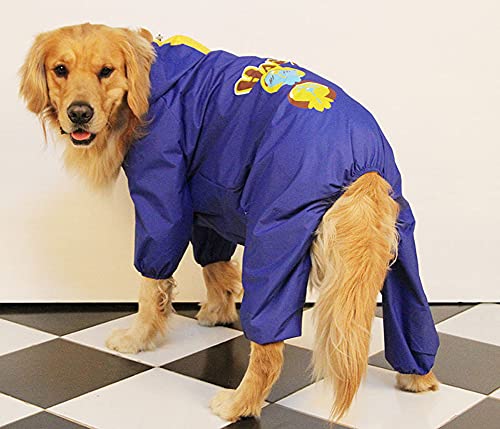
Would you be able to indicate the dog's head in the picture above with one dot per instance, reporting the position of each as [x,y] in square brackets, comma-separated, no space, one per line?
[91,82]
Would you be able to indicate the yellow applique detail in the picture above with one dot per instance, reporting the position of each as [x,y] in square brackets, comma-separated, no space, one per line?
[183,40]
[313,95]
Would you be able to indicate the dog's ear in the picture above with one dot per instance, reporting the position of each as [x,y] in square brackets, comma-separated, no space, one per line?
[33,86]
[146,34]
[139,55]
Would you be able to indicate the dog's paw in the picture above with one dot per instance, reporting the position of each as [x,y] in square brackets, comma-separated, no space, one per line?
[220,315]
[123,341]
[228,405]
[417,383]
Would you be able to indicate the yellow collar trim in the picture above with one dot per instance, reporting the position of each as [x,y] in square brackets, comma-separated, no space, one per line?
[183,40]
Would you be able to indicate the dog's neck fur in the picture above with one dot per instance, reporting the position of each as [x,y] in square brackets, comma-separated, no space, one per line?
[100,163]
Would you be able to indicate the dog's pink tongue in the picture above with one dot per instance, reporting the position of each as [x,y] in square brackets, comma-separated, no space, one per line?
[80,135]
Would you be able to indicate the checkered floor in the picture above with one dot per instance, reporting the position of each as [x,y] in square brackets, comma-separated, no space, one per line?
[55,372]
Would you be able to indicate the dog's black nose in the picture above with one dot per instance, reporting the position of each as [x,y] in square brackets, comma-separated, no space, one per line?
[80,113]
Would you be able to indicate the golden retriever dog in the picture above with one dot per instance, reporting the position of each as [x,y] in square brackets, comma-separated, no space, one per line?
[92,84]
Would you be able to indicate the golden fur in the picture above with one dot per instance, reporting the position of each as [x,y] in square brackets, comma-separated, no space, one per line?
[351,253]
[223,282]
[263,370]
[149,326]
[417,383]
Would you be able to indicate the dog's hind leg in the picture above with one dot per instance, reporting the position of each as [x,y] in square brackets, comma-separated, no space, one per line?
[149,326]
[223,282]
[263,370]
[417,383]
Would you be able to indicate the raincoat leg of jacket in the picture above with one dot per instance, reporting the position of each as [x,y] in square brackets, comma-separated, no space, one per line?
[411,341]
[210,247]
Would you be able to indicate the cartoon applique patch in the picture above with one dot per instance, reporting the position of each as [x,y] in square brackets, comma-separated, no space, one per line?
[273,76]
[312,95]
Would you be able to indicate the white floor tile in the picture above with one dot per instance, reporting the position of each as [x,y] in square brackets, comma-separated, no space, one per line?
[15,337]
[379,405]
[306,340]
[496,394]
[480,323]
[153,399]
[184,337]
[12,409]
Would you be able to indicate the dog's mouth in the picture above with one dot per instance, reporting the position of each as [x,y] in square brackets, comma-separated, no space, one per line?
[80,137]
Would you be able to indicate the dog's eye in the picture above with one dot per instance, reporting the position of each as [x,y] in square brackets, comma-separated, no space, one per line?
[105,72]
[61,71]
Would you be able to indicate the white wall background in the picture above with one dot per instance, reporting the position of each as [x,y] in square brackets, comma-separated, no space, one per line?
[429,71]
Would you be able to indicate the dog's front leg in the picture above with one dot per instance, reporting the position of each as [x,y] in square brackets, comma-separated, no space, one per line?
[262,372]
[148,329]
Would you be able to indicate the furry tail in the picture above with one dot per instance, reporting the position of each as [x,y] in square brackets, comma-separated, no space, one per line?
[351,253]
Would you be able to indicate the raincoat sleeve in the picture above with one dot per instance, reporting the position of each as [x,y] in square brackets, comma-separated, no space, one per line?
[156,172]
[210,247]
[411,341]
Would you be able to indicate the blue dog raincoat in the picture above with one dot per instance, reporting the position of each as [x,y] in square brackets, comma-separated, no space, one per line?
[254,151]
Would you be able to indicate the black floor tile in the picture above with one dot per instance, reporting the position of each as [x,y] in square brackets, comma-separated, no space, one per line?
[485,415]
[443,312]
[225,365]
[439,312]
[378,311]
[43,420]
[463,363]
[277,417]
[62,319]
[191,310]
[58,370]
